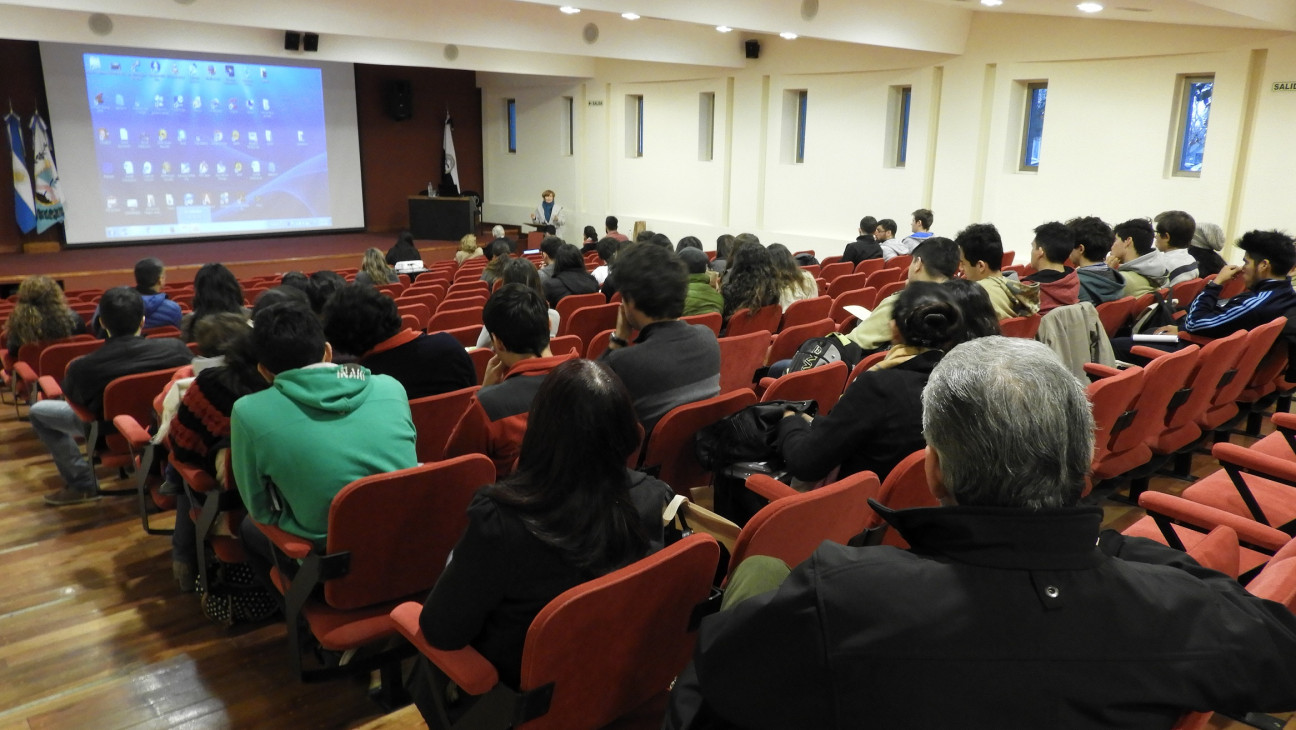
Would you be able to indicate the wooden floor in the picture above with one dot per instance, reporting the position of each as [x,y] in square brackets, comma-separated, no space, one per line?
[95,634]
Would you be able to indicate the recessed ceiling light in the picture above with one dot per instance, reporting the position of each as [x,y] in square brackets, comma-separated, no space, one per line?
[723,28]
[569,9]
[992,3]
[1089,7]
[788,35]
[630,16]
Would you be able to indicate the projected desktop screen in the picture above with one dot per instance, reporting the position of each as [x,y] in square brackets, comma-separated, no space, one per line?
[170,145]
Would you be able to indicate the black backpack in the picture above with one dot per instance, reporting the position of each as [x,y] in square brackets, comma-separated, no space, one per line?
[748,435]
[818,351]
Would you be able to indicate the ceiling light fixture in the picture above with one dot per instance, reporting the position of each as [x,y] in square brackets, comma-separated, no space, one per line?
[723,28]
[569,10]
[992,3]
[630,16]
[789,35]
[1089,7]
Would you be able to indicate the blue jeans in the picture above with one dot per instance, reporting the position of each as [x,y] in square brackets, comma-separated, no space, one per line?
[58,427]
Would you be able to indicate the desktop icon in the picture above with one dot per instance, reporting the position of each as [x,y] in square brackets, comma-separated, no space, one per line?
[188,199]
[229,70]
[170,200]
[178,102]
[224,198]
[256,167]
[180,135]
[155,66]
[111,202]
[251,105]
[265,105]
[115,66]
[103,134]
[94,63]
[98,98]
[267,136]
[146,168]
[125,136]
[220,168]
[158,101]
[128,168]
[197,102]
[203,168]
[252,137]
[150,201]
[166,168]
[119,100]
[184,168]
[263,72]
[162,135]
[234,135]
[218,136]
[270,167]
[301,136]
[238,168]
[233,104]
[132,203]
[206,199]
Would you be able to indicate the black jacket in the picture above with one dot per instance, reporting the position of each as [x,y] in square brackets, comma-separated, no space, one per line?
[862,249]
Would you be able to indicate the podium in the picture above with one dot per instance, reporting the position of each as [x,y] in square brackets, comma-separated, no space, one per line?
[441,219]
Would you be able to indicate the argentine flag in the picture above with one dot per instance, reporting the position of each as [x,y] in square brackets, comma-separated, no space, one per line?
[24,203]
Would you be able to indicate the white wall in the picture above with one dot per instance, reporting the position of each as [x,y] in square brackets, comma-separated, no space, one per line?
[1106,149]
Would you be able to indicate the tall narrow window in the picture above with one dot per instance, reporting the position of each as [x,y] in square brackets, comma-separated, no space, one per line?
[1033,134]
[706,126]
[511,110]
[634,125]
[568,126]
[901,98]
[1194,116]
[794,126]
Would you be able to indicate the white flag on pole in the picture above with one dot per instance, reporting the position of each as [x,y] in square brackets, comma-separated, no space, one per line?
[451,166]
[49,193]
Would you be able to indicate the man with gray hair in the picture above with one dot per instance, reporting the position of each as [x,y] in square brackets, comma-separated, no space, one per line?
[1010,610]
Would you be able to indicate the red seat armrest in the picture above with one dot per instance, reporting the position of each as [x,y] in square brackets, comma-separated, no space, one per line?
[49,387]
[1100,371]
[465,667]
[1150,353]
[1284,420]
[1204,516]
[293,546]
[24,372]
[137,435]
[1272,466]
[769,487]
[1194,339]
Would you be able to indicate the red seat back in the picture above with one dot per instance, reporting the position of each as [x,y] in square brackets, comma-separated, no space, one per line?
[448,319]
[1111,398]
[1216,358]
[744,320]
[740,356]
[868,266]
[793,527]
[823,385]
[399,528]
[830,271]
[710,320]
[904,488]
[805,311]
[565,344]
[1115,314]
[585,322]
[848,282]
[671,444]
[866,297]
[572,302]
[1023,327]
[435,417]
[789,340]
[610,645]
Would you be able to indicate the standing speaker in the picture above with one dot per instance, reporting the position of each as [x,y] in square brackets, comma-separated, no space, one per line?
[400,100]
[753,48]
[310,42]
[292,40]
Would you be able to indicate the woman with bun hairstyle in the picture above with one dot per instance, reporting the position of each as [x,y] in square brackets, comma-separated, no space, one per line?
[878,421]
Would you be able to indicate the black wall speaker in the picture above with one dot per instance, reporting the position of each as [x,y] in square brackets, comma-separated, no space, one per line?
[400,100]
[292,40]
[752,48]
[310,42]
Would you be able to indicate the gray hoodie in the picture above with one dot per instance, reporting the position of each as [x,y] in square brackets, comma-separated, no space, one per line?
[1148,273]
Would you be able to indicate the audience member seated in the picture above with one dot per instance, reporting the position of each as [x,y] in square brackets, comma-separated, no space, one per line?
[497,236]
[934,260]
[363,321]
[521,271]
[794,283]
[981,249]
[318,427]
[150,277]
[41,314]
[1137,259]
[569,276]
[724,243]
[671,362]
[549,247]
[1093,242]
[518,323]
[606,249]
[570,513]
[196,429]
[920,228]
[884,232]
[877,422]
[1009,591]
[610,229]
[322,285]
[296,280]
[216,290]
[121,315]
[1207,241]
[374,271]
[468,249]
[403,250]
[1059,285]
[689,242]
[1174,235]
[749,281]
[703,284]
[863,247]
[499,253]
[1268,261]
[590,239]
[973,301]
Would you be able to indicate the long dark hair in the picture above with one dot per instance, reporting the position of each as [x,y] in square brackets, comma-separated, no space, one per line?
[571,488]
[216,289]
[749,280]
[979,318]
[927,316]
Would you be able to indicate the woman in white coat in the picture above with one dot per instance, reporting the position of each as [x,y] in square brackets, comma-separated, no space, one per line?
[549,213]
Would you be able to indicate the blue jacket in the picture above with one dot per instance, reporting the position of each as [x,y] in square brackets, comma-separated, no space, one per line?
[1209,317]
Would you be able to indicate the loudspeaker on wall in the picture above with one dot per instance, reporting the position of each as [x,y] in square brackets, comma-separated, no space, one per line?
[400,100]
[292,40]
[310,42]
[753,48]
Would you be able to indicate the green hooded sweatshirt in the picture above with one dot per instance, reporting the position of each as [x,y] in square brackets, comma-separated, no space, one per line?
[315,430]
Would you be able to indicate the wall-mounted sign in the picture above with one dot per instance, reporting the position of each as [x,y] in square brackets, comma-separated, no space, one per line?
[596,102]
[1284,86]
